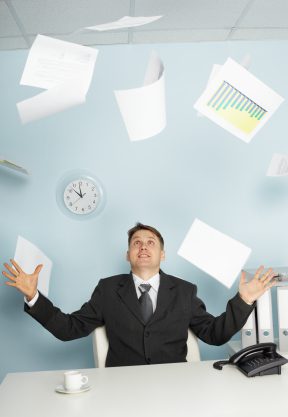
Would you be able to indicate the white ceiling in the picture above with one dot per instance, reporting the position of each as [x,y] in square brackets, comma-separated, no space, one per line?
[183,21]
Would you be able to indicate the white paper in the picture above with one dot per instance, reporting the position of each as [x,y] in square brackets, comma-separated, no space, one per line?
[214,252]
[245,62]
[215,69]
[278,166]
[143,109]
[12,165]
[125,22]
[237,101]
[64,69]
[51,101]
[28,256]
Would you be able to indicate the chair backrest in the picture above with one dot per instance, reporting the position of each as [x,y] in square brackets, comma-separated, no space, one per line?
[193,351]
[100,347]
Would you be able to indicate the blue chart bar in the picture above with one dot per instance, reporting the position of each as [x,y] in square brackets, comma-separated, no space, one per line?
[236,107]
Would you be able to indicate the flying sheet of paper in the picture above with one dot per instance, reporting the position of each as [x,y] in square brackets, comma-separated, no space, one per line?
[237,101]
[215,69]
[64,69]
[245,62]
[278,166]
[214,252]
[28,256]
[125,22]
[12,165]
[143,109]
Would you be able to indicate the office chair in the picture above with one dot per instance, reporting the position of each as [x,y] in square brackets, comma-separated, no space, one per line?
[100,347]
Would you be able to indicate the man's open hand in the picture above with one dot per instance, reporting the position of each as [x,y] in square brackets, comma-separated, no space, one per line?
[263,280]
[25,283]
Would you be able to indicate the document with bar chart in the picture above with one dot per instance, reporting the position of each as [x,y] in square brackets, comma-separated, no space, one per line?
[237,101]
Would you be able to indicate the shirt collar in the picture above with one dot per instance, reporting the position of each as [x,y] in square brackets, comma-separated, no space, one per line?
[153,281]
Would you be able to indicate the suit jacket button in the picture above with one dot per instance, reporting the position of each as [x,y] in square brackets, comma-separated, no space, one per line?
[147,334]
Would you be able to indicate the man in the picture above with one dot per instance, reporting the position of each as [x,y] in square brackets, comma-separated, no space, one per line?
[144,324]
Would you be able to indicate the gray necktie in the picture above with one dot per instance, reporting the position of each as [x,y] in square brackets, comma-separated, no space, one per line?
[145,302]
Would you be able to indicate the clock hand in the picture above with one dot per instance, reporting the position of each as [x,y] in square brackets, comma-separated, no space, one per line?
[80,195]
[80,191]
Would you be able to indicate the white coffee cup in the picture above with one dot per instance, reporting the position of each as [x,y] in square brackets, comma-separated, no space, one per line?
[73,380]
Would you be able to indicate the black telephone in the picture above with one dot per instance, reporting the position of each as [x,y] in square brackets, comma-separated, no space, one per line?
[256,360]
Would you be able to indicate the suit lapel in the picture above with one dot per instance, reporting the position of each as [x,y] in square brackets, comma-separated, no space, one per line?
[164,297]
[127,293]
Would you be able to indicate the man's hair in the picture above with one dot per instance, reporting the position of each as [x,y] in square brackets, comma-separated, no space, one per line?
[140,226]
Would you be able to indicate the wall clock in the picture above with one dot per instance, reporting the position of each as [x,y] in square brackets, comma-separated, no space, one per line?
[80,194]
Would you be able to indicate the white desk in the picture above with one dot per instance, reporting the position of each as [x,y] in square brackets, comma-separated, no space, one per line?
[192,390]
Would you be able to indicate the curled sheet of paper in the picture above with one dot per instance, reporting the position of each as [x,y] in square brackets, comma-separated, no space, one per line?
[237,101]
[278,166]
[64,69]
[143,109]
[215,253]
[12,165]
[125,22]
[28,256]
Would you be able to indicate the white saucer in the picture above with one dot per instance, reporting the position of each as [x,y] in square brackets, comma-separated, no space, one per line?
[61,389]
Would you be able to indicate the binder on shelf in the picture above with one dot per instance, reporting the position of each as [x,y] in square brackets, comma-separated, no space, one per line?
[264,318]
[282,304]
[249,331]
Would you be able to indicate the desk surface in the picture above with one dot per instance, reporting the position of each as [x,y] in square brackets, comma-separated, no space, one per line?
[185,389]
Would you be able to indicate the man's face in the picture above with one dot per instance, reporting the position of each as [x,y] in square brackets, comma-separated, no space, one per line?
[145,251]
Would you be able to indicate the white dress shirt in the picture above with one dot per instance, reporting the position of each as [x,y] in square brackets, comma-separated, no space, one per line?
[33,301]
[153,292]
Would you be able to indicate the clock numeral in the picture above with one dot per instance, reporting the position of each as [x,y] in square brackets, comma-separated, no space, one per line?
[83,209]
[70,204]
[95,195]
[74,184]
[70,190]
[89,207]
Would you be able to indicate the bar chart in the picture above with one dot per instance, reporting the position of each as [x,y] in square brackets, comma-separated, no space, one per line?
[232,105]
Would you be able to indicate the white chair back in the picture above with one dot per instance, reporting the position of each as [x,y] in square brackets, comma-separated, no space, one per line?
[100,347]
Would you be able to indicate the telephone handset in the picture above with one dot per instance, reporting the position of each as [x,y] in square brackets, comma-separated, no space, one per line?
[256,360]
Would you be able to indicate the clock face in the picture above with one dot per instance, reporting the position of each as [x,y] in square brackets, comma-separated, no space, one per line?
[82,196]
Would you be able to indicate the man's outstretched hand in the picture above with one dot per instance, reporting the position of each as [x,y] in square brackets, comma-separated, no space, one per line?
[25,283]
[263,280]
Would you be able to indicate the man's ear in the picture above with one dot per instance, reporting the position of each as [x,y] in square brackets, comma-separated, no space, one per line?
[127,256]
[163,255]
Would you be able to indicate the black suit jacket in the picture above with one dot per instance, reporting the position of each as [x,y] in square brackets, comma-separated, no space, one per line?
[163,339]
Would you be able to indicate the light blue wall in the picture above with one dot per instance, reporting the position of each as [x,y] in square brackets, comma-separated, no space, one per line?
[192,169]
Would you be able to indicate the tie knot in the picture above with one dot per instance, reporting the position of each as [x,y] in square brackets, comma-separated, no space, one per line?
[144,288]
